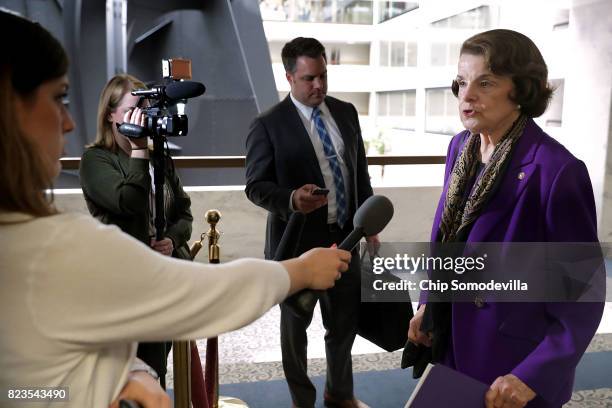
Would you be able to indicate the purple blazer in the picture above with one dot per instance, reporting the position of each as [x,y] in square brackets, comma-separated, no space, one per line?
[540,343]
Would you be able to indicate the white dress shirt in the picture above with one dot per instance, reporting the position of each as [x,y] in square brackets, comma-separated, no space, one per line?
[305,113]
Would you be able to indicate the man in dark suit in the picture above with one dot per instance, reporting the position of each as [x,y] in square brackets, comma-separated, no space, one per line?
[307,142]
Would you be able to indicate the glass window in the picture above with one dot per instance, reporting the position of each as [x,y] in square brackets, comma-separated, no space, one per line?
[396,103]
[390,9]
[397,109]
[453,53]
[444,54]
[477,18]
[411,54]
[438,54]
[317,11]
[441,111]
[334,56]
[398,54]
[384,53]
[356,12]
[345,54]
[382,103]
[361,100]
[402,54]
[435,102]
[410,103]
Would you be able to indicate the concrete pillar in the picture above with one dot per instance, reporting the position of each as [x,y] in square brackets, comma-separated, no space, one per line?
[588,100]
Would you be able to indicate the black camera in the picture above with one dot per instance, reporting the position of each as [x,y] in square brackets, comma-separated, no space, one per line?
[165,115]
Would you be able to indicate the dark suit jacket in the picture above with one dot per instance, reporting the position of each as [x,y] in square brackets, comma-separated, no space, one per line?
[280,158]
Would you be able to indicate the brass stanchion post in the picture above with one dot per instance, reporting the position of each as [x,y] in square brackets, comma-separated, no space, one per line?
[211,370]
[181,358]
[212,345]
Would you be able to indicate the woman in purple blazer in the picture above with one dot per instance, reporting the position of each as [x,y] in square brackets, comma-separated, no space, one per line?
[508,181]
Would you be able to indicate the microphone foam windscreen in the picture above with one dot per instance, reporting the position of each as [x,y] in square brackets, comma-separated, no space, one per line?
[373,215]
[184,89]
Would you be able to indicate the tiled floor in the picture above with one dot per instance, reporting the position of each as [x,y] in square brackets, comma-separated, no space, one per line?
[253,354]
[591,399]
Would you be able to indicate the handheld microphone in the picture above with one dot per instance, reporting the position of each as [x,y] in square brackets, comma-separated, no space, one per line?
[371,218]
[290,240]
[286,249]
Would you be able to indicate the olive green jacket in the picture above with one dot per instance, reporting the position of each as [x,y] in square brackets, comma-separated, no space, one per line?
[117,190]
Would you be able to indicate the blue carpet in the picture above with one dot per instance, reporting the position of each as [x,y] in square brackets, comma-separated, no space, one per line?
[392,388]
[379,389]
[594,371]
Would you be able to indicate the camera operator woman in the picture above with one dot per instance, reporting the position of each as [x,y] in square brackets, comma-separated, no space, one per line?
[77,294]
[116,177]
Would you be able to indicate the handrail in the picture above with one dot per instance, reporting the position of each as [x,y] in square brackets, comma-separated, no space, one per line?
[201,162]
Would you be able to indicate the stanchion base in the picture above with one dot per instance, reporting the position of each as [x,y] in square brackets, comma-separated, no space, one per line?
[231,402]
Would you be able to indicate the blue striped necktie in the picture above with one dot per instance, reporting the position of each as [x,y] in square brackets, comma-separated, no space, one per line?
[332,157]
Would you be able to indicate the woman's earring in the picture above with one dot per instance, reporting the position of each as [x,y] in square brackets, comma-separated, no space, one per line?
[518,107]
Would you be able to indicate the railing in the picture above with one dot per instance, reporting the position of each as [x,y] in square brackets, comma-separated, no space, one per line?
[201,162]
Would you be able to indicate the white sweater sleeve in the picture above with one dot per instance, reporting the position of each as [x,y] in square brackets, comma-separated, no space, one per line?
[93,284]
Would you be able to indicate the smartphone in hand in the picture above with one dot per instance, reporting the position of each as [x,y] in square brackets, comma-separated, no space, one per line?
[320,191]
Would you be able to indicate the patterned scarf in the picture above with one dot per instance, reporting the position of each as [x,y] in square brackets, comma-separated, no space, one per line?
[457,217]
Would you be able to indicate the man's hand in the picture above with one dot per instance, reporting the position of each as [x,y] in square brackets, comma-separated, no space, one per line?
[164,247]
[508,392]
[304,201]
[143,389]
[415,334]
